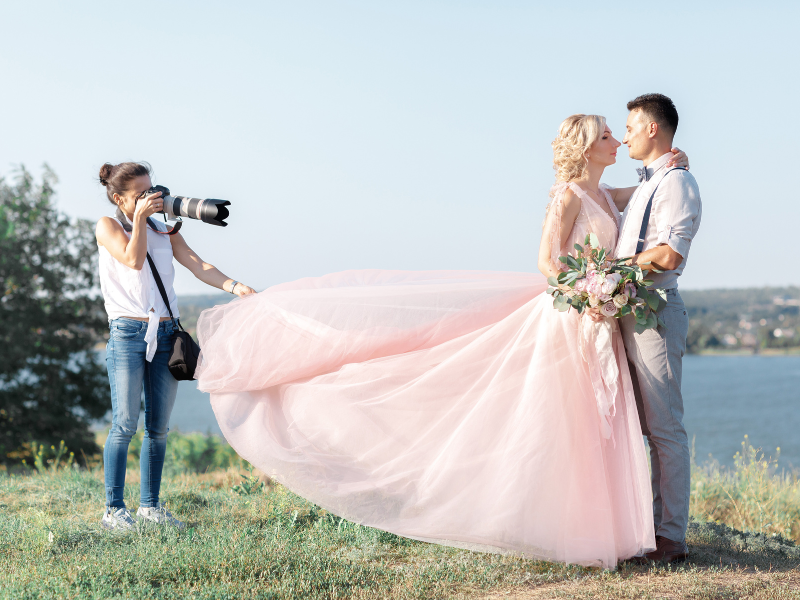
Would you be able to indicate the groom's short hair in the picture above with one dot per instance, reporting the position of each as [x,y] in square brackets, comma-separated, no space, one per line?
[658,108]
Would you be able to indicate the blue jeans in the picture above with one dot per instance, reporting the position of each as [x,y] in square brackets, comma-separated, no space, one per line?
[128,374]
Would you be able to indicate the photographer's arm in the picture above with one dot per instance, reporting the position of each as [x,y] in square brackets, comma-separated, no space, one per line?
[202,270]
[130,252]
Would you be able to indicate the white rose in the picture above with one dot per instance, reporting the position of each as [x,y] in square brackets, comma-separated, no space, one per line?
[620,300]
[611,282]
[594,301]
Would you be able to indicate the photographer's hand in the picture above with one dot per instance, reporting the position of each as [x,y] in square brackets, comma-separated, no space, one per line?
[148,206]
[240,290]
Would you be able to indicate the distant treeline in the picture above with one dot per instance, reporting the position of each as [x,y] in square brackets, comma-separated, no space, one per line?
[748,320]
[191,307]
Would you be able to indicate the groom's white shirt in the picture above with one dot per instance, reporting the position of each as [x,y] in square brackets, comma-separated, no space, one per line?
[674,217]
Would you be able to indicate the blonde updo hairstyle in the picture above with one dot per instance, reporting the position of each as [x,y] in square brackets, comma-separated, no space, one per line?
[575,136]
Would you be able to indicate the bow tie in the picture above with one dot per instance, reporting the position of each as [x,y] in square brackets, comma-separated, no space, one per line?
[642,174]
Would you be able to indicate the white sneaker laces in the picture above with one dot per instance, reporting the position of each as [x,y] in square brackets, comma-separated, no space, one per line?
[120,518]
[159,514]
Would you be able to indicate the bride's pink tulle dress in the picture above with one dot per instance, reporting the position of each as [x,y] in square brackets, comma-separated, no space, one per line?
[455,407]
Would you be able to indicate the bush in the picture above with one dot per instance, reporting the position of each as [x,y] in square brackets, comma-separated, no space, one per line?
[190,453]
[752,496]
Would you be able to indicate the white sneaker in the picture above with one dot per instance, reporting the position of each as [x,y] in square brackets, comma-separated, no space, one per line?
[159,514]
[118,520]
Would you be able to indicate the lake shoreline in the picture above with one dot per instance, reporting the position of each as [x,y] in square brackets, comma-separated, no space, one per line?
[794,351]
[726,396]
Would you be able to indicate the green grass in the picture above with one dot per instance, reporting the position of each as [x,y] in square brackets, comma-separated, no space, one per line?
[753,495]
[248,538]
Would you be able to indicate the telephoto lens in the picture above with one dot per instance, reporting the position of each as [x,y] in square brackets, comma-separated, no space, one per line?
[209,210]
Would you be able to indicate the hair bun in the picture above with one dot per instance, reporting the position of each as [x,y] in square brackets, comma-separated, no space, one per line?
[105,173]
[117,178]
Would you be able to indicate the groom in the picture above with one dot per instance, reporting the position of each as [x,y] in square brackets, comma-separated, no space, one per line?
[655,355]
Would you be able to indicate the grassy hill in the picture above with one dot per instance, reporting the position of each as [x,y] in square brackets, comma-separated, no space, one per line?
[248,537]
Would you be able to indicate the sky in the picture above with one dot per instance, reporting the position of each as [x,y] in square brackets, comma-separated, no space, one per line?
[402,135]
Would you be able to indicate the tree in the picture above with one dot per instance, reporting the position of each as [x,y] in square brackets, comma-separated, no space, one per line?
[700,337]
[51,317]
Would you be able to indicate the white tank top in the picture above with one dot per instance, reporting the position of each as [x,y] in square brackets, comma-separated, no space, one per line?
[131,293]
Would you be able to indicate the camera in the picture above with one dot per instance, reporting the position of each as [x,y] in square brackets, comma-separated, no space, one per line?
[209,210]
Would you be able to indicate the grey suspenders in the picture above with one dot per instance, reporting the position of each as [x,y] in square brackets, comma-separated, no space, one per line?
[646,219]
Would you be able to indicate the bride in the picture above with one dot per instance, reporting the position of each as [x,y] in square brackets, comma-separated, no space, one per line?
[454,407]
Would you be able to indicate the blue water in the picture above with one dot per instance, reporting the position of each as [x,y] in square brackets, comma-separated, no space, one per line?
[725,397]
[728,397]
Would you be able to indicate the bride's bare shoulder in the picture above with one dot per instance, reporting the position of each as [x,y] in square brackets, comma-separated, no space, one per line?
[572,206]
[571,200]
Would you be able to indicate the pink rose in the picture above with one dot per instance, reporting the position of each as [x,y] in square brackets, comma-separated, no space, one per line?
[609,309]
[630,290]
[604,297]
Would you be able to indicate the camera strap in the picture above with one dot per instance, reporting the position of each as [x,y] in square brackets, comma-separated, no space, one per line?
[174,230]
[126,225]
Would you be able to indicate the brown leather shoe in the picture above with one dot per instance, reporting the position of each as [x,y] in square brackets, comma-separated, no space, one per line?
[666,551]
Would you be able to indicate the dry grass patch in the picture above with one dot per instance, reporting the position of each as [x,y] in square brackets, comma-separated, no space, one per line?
[695,584]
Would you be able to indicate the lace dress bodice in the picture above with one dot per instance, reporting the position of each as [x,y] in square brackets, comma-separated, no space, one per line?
[591,219]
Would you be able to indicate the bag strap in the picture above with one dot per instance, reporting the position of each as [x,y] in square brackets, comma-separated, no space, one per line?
[162,291]
[646,219]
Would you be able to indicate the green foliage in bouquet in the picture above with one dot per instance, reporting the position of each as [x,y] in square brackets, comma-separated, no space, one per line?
[612,286]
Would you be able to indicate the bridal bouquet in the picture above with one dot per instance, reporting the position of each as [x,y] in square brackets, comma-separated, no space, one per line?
[616,289]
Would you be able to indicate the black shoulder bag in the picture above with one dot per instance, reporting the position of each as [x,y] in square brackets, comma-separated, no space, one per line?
[185,351]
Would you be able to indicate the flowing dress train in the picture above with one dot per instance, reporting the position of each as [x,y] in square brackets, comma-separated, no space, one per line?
[452,407]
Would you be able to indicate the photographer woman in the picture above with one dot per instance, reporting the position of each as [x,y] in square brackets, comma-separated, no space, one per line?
[141,334]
